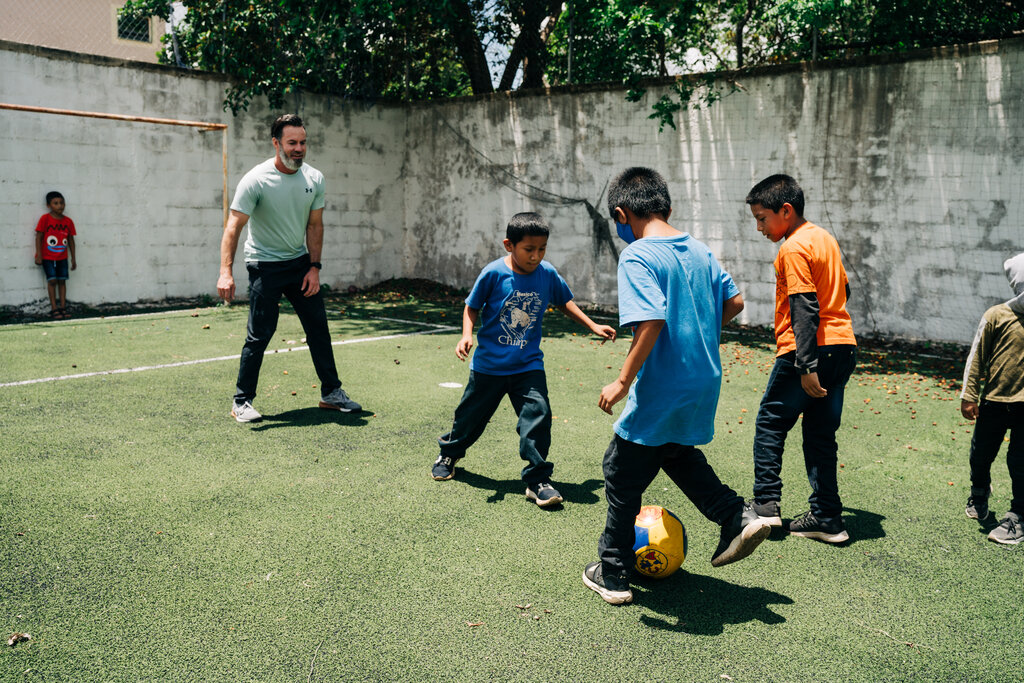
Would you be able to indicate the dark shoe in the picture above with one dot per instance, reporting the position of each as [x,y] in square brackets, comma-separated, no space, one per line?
[543,494]
[1010,532]
[809,526]
[339,400]
[769,512]
[977,504]
[444,468]
[739,538]
[593,580]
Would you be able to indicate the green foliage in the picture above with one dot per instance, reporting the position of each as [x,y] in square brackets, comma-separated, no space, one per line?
[368,49]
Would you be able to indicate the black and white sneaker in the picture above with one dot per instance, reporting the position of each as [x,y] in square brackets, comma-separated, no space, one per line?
[593,580]
[339,400]
[543,494]
[977,504]
[769,512]
[809,526]
[739,537]
[444,468]
[1010,532]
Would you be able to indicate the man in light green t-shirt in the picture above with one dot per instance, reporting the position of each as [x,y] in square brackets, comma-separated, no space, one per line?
[282,201]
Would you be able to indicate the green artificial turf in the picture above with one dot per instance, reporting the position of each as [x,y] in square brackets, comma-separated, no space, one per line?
[145,535]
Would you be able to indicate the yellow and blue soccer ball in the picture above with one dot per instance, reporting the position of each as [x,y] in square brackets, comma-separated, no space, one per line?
[660,544]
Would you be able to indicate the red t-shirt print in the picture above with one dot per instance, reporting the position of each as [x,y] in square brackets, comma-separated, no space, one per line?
[55,236]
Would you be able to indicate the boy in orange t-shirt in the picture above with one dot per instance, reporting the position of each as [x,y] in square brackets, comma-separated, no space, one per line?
[816,354]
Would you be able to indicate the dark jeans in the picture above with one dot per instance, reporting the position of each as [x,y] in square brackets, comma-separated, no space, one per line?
[528,392]
[994,420]
[629,468]
[783,401]
[268,281]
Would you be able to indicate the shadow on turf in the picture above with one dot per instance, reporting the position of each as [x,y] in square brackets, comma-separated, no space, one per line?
[703,605]
[582,493]
[305,417]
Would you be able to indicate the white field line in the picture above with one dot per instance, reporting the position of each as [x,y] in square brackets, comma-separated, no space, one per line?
[121,371]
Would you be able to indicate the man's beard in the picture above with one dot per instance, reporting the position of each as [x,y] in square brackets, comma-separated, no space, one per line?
[288,162]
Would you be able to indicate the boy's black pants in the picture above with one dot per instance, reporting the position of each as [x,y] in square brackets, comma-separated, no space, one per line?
[528,392]
[629,468]
[994,419]
[268,282]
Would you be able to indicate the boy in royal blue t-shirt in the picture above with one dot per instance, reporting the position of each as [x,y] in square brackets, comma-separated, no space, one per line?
[676,296]
[510,297]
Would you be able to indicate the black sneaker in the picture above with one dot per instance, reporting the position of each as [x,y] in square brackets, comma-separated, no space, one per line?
[444,468]
[809,526]
[769,512]
[1010,532]
[543,493]
[977,504]
[593,580]
[739,538]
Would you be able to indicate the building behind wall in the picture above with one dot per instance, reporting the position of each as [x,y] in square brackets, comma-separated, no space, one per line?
[86,26]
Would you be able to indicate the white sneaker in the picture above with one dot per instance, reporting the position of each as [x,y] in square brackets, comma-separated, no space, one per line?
[339,400]
[244,412]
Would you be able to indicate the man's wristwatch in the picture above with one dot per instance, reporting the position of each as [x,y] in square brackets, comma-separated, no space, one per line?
[317,265]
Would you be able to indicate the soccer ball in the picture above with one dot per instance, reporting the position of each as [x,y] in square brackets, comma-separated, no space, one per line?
[660,544]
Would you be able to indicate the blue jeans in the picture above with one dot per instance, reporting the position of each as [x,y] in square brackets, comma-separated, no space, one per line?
[994,419]
[268,282]
[783,401]
[528,392]
[629,468]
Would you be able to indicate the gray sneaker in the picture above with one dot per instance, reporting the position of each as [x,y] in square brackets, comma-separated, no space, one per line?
[339,400]
[977,504]
[1010,532]
[244,412]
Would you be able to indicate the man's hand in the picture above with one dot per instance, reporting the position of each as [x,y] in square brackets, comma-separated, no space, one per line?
[463,348]
[311,283]
[226,287]
[612,394]
[969,409]
[812,387]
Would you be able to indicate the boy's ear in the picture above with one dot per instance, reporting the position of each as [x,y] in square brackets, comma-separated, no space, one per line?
[619,215]
[508,244]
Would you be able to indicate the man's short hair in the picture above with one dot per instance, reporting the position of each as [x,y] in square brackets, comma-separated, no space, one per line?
[641,190]
[287,120]
[524,224]
[53,194]
[776,190]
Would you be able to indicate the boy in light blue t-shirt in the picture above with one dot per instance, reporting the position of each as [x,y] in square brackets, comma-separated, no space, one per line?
[510,297]
[676,296]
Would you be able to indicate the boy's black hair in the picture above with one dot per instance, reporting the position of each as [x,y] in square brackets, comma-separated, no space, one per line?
[286,120]
[53,194]
[641,190]
[776,190]
[526,223]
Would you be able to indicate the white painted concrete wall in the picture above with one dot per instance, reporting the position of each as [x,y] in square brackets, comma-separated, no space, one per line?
[914,164]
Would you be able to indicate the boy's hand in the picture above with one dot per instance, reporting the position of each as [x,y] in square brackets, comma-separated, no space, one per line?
[612,394]
[969,409]
[463,348]
[605,332]
[74,264]
[812,387]
[39,260]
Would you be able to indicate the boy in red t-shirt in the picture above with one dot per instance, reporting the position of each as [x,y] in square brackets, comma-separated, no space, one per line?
[55,239]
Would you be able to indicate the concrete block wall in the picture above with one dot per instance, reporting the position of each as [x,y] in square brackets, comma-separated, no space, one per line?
[914,163]
[147,199]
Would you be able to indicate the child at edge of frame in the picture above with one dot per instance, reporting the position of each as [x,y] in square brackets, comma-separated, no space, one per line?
[816,352]
[55,240]
[510,297]
[676,296]
[995,358]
